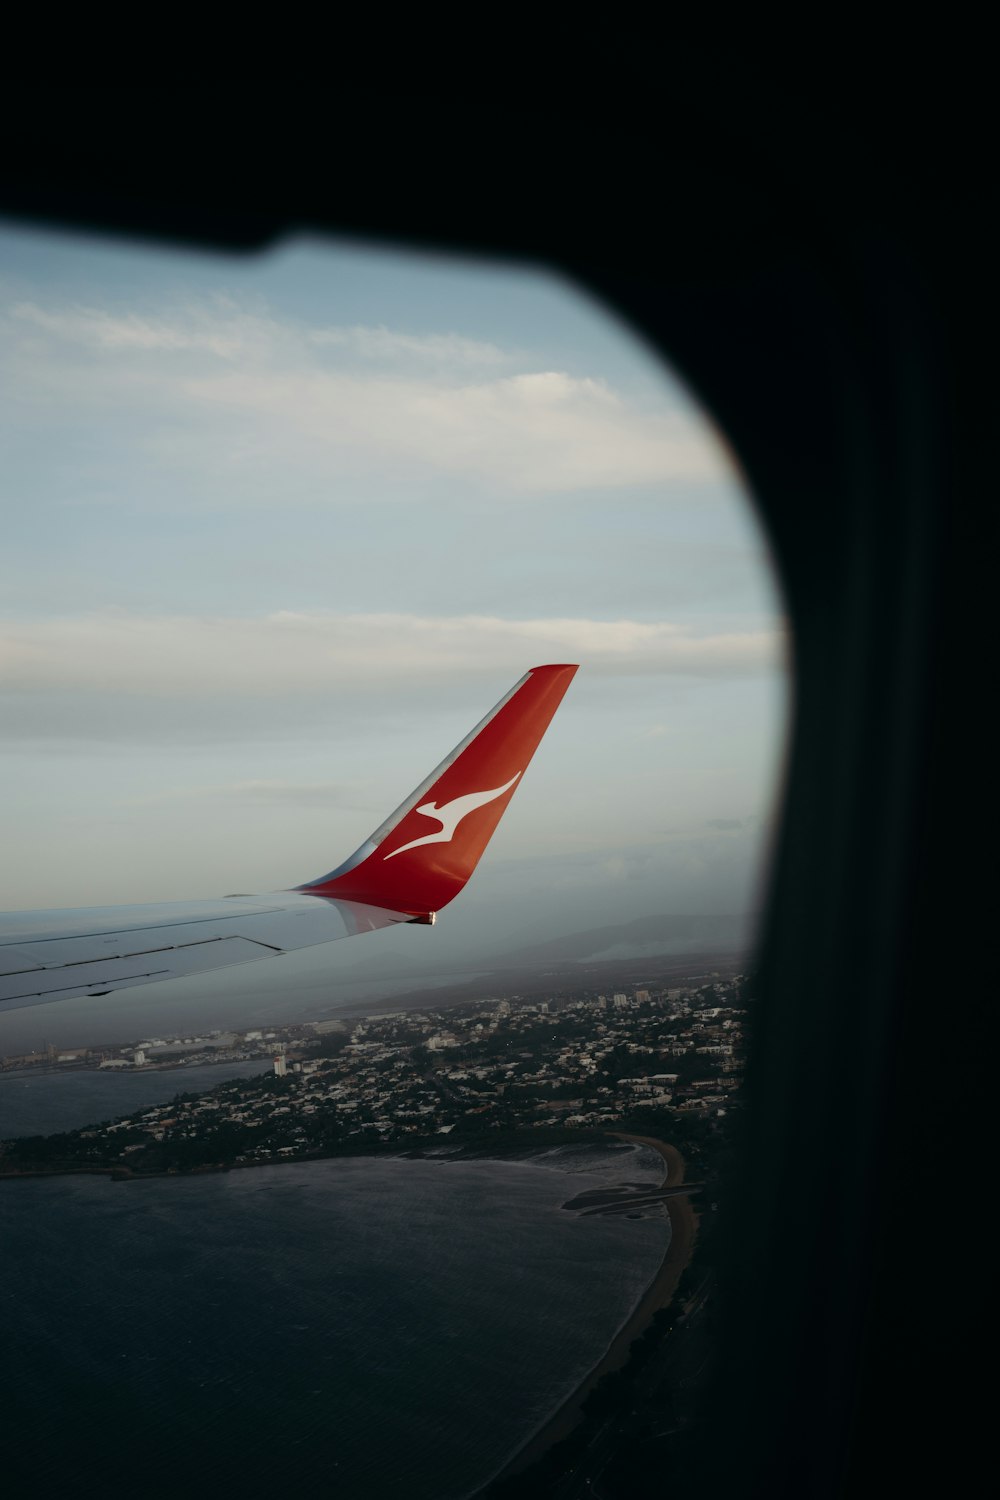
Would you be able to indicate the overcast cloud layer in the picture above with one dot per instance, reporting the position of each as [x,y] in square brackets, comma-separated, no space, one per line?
[251,389]
[287,653]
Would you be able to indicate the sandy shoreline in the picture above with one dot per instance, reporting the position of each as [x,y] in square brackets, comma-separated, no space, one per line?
[683,1228]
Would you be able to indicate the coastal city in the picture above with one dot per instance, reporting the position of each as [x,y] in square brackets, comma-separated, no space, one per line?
[512,1075]
[462,1075]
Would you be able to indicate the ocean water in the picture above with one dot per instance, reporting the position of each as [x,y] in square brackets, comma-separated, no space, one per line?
[358,1328]
[44,1103]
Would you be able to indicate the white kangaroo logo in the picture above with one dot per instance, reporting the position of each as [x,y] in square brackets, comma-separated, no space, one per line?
[450,814]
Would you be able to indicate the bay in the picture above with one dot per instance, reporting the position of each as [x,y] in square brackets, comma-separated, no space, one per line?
[359,1328]
[46,1103]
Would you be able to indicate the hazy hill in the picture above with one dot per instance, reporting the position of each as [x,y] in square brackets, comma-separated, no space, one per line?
[641,938]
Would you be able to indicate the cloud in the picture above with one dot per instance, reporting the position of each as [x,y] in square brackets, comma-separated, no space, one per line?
[116,676]
[99,329]
[230,332]
[540,431]
[290,652]
[385,343]
[267,793]
[630,865]
[224,388]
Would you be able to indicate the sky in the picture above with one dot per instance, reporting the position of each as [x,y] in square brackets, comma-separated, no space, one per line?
[279,529]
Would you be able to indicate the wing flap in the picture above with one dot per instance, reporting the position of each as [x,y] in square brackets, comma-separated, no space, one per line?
[104,975]
[35,970]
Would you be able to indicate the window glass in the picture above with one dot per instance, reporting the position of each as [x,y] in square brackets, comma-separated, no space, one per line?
[278,531]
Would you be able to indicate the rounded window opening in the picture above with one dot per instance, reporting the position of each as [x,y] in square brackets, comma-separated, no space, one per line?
[278,531]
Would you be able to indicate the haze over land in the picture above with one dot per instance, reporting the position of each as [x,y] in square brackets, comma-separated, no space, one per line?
[315,983]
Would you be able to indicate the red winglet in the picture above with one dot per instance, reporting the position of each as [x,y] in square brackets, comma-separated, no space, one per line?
[421,857]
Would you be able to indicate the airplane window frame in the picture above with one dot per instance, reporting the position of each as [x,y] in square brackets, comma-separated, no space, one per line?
[834,353]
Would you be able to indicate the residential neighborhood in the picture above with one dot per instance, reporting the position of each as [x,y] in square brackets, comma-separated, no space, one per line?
[416,1077]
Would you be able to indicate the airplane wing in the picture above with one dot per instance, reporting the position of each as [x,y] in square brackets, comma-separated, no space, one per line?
[406,871]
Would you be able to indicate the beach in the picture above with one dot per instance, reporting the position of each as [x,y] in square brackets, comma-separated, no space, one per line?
[683,1229]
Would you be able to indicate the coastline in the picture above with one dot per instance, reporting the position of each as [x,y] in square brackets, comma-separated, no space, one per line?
[683,1230]
[121,1172]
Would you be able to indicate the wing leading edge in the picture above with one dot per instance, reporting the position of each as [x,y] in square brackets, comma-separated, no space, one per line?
[406,871]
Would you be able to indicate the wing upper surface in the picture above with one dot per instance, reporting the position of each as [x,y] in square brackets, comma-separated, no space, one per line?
[91,951]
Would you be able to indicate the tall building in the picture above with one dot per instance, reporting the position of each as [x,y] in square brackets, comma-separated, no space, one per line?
[280,1066]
